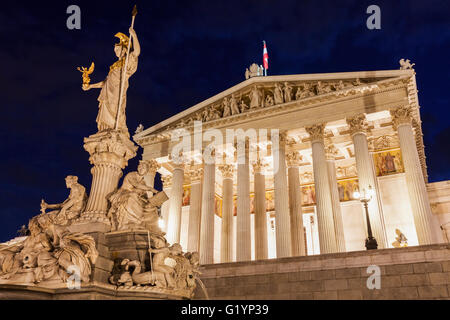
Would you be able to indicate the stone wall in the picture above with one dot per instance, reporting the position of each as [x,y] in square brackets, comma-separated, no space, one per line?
[101,270]
[421,272]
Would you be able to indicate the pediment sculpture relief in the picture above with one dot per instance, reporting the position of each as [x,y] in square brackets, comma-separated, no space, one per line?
[260,97]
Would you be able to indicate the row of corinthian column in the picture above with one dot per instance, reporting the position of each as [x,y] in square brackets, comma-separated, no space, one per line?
[288,208]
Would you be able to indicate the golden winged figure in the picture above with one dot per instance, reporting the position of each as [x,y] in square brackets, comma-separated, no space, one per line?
[86,72]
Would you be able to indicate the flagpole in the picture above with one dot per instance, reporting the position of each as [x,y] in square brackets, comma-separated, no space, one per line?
[122,83]
[265,56]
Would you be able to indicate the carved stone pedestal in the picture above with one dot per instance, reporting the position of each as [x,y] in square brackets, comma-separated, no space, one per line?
[112,248]
[109,152]
[101,270]
[87,292]
[131,245]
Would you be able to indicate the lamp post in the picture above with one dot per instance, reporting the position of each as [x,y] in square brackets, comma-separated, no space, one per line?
[365,197]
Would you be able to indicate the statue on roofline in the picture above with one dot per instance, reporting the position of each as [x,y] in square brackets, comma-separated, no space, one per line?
[406,64]
[253,71]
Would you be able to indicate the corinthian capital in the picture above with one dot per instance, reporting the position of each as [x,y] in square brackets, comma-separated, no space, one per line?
[401,115]
[293,159]
[110,147]
[357,124]
[178,160]
[258,166]
[316,132]
[167,181]
[195,174]
[331,152]
[284,138]
[227,171]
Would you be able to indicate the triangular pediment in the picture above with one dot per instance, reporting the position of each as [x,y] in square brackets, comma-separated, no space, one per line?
[264,92]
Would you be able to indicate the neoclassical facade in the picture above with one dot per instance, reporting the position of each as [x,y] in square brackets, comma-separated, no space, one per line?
[292,193]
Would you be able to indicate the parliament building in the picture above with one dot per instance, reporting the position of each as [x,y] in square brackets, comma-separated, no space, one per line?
[341,135]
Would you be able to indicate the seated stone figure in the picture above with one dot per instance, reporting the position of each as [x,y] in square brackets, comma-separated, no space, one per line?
[131,207]
[72,207]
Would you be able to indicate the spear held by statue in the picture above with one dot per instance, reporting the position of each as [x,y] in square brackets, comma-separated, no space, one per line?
[122,82]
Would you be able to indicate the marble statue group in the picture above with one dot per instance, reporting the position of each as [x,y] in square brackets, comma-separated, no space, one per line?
[65,236]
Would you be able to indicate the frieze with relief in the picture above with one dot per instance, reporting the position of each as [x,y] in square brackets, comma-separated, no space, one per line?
[384,142]
[263,96]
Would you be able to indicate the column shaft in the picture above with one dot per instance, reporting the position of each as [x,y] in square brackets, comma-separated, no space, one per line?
[207,218]
[243,236]
[176,198]
[325,221]
[226,252]
[295,206]
[336,204]
[366,176]
[282,215]
[260,213]
[105,178]
[417,191]
[195,210]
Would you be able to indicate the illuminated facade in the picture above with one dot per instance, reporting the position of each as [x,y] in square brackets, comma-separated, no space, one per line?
[338,133]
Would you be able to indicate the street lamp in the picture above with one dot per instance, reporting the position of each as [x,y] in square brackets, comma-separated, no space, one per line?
[365,197]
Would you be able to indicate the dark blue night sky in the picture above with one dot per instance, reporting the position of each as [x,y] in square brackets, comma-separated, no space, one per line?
[191,50]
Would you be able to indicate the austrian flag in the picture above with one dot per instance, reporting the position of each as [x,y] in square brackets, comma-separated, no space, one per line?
[265,57]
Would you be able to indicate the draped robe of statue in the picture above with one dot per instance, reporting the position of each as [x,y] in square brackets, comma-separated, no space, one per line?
[109,95]
[131,206]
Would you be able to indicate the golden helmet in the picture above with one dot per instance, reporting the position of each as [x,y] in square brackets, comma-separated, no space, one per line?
[123,39]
